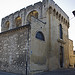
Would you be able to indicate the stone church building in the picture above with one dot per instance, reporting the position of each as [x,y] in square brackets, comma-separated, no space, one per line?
[35,39]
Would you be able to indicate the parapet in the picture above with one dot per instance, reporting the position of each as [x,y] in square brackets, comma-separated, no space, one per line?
[39,6]
[28,8]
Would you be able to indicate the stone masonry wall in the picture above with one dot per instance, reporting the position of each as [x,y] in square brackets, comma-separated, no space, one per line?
[39,56]
[13,46]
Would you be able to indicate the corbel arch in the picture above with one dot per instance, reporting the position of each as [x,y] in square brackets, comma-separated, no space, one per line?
[66,21]
[59,17]
[62,19]
[57,14]
[54,12]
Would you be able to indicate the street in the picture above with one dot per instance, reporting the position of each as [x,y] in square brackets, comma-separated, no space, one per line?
[59,72]
[6,73]
[56,72]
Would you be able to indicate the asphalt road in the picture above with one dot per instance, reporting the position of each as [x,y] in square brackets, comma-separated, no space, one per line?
[56,72]
[59,72]
[6,73]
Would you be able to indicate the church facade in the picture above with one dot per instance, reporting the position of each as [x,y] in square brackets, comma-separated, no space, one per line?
[35,39]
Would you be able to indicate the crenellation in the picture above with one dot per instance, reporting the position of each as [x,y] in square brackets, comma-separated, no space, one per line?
[45,1]
[53,3]
[16,14]
[22,10]
[6,18]
[2,22]
[37,5]
[11,17]
[50,3]
[29,8]
[22,14]
[60,11]
[45,5]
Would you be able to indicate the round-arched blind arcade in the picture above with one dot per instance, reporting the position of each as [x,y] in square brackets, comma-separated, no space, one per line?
[18,21]
[40,36]
[7,24]
[32,13]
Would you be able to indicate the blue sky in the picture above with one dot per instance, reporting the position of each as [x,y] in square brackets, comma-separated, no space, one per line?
[9,6]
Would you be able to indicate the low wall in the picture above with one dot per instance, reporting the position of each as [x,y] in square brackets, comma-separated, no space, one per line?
[13,46]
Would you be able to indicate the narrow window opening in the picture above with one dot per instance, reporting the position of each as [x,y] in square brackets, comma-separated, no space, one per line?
[61,32]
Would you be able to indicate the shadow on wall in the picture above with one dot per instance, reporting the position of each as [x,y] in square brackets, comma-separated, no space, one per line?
[40,60]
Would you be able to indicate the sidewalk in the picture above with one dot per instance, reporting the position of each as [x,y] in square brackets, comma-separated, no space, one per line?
[6,73]
[56,72]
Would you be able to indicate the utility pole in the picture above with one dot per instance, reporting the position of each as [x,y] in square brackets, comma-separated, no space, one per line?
[27,50]
[73,13]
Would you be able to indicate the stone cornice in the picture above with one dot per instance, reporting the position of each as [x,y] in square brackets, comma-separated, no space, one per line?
[54,9]
[59,16]
[61,41]
[16,29]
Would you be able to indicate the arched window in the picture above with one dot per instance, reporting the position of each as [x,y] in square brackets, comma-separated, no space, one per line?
[18,21]
[39,35]
[32,13]
[61,32]
[7,24]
